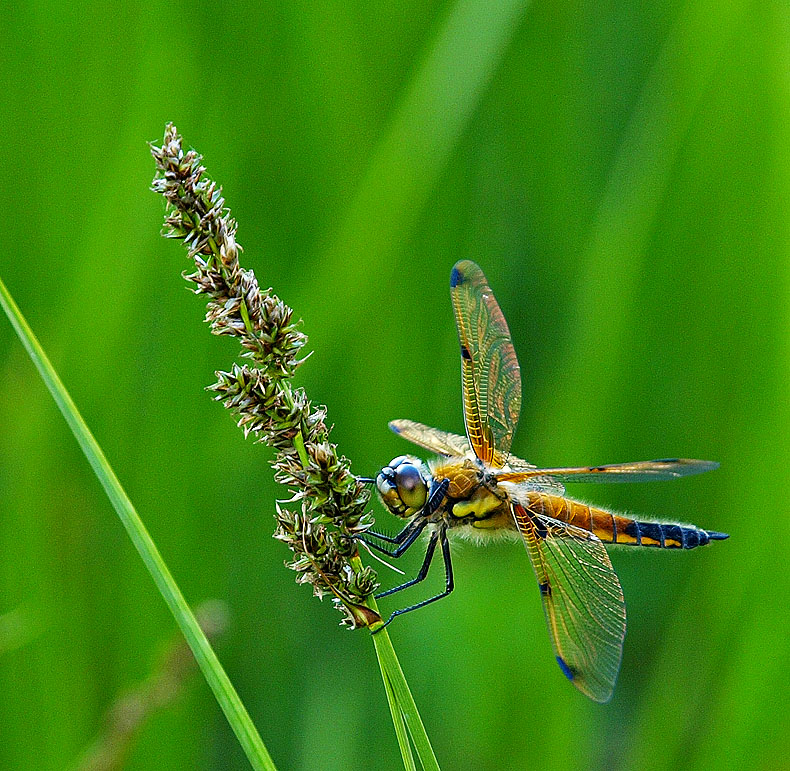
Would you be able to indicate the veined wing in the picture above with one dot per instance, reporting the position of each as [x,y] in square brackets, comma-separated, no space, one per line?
[490,374]
[445,443]
[534,481]
[582,599]
[639,471]
[433,439]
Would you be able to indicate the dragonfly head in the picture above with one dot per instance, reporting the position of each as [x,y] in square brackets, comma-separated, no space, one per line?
[403,485]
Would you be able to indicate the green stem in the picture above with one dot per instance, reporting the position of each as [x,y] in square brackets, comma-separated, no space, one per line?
[402,704]
[212,670]
[401,732]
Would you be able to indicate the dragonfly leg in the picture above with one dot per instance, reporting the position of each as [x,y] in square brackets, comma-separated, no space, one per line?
[438,491]
[449,584]
[408,535]
[426,563]
[402,540]
[392,539]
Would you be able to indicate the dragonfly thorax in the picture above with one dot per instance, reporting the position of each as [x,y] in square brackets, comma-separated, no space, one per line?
[473,497]
[467,495]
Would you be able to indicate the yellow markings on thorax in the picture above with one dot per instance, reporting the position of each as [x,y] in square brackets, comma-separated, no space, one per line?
[498,520]
[480,505]
[473,499]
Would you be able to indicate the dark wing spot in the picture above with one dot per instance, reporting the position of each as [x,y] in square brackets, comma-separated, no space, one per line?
[456,277]
[465,353]
[545,589]
[566,670]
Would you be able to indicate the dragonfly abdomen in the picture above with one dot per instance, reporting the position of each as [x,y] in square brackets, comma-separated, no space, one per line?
[616,529]
[664,536]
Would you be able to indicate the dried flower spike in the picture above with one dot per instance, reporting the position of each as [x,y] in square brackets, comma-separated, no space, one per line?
[329,501]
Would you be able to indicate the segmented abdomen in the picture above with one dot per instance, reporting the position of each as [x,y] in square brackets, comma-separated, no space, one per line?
[613,528]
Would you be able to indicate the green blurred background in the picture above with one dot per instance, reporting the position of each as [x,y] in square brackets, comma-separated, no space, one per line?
[620,171]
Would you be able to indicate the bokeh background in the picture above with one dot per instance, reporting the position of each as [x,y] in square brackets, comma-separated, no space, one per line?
[620,171]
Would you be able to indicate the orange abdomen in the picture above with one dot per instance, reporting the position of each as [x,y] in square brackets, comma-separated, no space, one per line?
[613,528]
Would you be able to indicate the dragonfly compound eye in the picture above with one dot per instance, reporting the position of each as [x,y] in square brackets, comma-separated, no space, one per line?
[402,486]
[411,486]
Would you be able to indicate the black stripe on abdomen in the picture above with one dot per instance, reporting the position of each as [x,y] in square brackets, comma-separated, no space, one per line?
[663,536]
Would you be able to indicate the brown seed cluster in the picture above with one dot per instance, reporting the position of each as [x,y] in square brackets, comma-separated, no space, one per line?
[327,504]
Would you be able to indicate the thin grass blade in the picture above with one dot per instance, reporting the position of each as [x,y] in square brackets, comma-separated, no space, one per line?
[213,672]
[402,705]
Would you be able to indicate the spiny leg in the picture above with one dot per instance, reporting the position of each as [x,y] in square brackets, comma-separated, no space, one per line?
[403,540]
[449,585]
[426,563]
[389,538]
[436,497]
[409,534]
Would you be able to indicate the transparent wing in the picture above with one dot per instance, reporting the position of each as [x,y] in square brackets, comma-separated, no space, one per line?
[432,439]
[445,443]
[533,480]
[519,464]
[490,373]
[540,484]
[639,471]
[582,599]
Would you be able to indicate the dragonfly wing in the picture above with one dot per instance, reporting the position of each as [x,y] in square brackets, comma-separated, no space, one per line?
[453,445]
[440,442]
[541,484]
[582,599]
[490,374]
[639,471]
[519,464]
[523,472]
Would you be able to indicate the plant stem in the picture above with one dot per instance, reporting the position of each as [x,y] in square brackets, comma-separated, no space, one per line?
[331,500]
[212,670]
[402,705]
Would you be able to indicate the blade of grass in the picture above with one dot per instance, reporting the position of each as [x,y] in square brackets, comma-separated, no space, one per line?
[332,500]
[396,681]
[401,732]
[402,705]
[213,672]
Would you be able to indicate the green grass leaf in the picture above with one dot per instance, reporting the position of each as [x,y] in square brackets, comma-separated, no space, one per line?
[212,670]
[405,715]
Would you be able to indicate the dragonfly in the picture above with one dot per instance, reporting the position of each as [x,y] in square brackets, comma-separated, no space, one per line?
[475,488]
